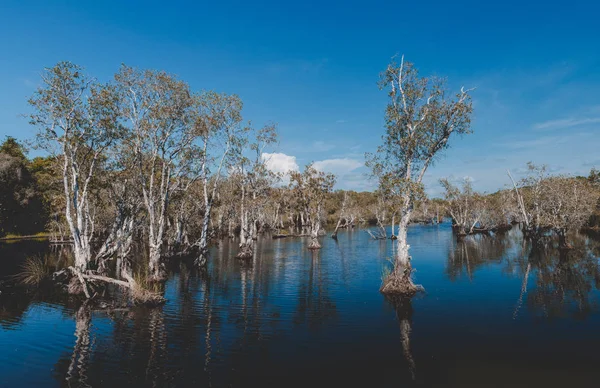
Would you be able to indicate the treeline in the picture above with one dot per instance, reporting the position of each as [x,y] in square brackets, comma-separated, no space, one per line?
[33,203]
[545,205]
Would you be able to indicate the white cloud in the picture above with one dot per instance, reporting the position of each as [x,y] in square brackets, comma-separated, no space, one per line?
[280,162]
[565,123]
[338,167]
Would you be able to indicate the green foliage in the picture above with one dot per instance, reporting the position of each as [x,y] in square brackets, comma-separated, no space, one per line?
[21,205]
[13,148]
[594,177]
[420,118]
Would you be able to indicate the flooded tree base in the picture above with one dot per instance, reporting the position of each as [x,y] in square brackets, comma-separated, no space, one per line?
[158,274]
[158,278]
[246,252]
[400,283]
[201,260]
[314,244]
[90,285]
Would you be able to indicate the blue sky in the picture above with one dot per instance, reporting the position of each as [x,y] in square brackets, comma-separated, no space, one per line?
[312,67]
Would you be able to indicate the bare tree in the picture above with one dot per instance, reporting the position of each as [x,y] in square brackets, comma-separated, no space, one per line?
[420,118]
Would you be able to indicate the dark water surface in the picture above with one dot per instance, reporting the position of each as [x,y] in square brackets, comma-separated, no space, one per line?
[494,313]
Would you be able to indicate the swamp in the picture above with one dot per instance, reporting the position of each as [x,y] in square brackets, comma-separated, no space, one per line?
[234,195]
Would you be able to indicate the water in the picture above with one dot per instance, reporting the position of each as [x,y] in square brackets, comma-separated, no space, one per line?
[494,314]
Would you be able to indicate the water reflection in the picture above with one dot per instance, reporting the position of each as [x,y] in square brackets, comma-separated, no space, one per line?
[77,371]
[467,255]
[404,312]
[314,306]
[564,280]
[291,316]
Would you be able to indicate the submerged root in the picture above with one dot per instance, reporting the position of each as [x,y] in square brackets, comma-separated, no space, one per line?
[399,282]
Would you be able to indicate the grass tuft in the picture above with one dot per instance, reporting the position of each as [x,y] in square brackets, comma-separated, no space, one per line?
[35,270]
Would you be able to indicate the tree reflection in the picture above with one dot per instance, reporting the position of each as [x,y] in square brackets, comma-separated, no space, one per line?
[465,256]
[565,279]
[314,303]
[77,371]
[155,373]
[404,312]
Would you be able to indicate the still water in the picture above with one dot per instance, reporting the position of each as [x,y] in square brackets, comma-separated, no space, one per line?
[495,313]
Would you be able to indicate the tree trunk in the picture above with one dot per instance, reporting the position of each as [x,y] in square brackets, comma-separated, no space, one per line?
[461,232]
[179,233]
[314,235]
[81,258]
[334,235]
[230,233]
[202,258]
[155,266]
[562,240]
[245,251]
[255,230]
[399,281]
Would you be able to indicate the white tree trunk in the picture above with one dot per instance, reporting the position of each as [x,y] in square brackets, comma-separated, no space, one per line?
[402,255]
[202,258]
[314,231]
[154,264]
[400,281]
